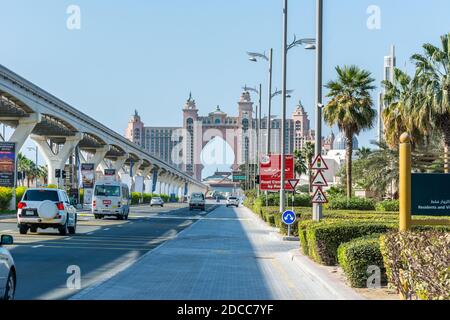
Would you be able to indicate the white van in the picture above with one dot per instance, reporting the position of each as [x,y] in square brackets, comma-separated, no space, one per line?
[111,199]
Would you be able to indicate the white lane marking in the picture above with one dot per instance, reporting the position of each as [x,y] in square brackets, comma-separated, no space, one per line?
[69,238]
[106,229]
[89,233]
[38,246]
[119,226]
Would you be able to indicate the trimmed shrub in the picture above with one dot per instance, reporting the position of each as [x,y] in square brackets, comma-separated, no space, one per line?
[135,198]
[417,264]
[388,205]
[270,218]
[5,198]
[355,258]
[146,198]
[19,194]
[324,239]
[257,207]
[356,203]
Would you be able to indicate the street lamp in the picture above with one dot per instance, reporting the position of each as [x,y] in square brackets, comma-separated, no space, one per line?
[258,124]
[309,44]
[253,56]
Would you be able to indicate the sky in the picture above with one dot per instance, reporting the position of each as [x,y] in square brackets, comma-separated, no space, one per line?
[149,54]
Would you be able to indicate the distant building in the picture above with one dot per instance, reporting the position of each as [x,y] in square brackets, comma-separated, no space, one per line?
[198,130]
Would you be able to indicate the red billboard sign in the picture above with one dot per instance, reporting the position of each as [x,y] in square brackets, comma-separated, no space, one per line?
[270,171]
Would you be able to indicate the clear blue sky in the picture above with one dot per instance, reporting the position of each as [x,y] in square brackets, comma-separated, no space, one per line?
[148,54]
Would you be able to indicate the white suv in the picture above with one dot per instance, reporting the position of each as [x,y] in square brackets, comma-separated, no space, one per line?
[7,270]
[46,208]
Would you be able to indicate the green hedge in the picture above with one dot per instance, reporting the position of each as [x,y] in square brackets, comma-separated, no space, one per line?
[323,239]
[135,198]
[355,203]
[417,263]
[273,199]
[388,205]
[19,194]
[356,256]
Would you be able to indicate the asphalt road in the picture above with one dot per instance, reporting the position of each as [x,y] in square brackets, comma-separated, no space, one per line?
[100,249]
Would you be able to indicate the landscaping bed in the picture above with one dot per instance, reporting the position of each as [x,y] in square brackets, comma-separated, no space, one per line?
[360,240]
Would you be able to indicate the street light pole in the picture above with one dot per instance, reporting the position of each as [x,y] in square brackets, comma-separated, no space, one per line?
[283,109]
[317,208]
[258,139]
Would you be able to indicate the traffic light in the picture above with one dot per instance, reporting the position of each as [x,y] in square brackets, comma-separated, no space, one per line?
[57,173]
[64,175]
[257,179]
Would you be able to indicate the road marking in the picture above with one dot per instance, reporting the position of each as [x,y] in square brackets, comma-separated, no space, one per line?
[38,246]
[106,229]
[90,233]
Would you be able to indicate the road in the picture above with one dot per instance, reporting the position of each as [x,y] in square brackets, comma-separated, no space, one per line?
[100,248]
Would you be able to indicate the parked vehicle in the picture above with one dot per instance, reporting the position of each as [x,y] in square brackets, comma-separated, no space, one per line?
[197,201]
[157,201]
[111,199]
[7,270]
[233,201]
[46,208]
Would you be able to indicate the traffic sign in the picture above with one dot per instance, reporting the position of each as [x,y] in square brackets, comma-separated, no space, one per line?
[319,163]
[319,196]
[293,183]
[270,172]
[239,177]
[319,180]
[289,217]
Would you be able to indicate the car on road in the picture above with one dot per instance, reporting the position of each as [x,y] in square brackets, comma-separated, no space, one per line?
[7,270]
[111,199]
[46,208]
[157,201]
[197,201]
[232,201]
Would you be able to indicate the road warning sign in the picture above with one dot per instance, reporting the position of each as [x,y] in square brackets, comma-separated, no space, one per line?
[319,180]
[319,163]
[319,196]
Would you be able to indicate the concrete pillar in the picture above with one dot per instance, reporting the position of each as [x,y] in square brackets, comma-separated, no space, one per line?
[99,156]
[146,173]
[135,170]
[24,129]
[56,161]
[118,164]
[20,135]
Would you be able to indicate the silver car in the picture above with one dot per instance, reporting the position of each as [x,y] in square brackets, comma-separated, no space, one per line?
[7,270]
[156,201]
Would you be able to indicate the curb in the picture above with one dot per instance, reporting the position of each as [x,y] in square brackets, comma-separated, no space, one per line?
[319,274]
[85,291]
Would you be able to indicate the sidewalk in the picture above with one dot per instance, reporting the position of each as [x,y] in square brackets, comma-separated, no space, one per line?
[230,254]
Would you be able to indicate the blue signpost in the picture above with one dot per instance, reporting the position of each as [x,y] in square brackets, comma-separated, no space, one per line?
[289,218]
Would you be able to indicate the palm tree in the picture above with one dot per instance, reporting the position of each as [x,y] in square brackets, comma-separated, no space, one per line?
[350,108]
[363,153]
[301,167]
[402,97]
[308,154]
[382,170]
[433,67]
